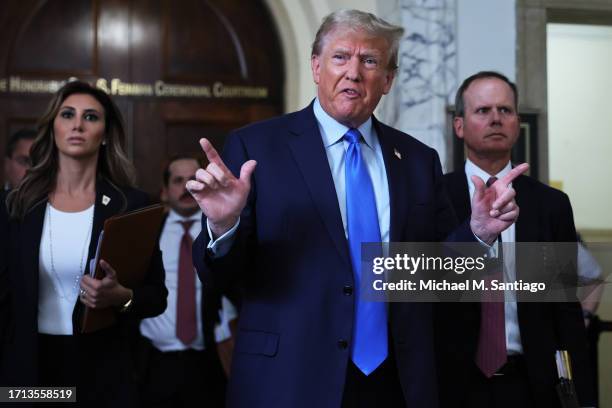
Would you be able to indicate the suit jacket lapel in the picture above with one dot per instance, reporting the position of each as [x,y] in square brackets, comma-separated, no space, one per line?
[397,177]
[457,186]
[526,224]
[306,145]
[31,234]
[109,202]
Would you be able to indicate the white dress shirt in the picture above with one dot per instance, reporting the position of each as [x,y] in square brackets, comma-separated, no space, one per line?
[332,133]
[513,334]
[161,330]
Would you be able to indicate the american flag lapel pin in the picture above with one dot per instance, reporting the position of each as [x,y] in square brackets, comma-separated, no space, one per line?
[397,153]
[105,200]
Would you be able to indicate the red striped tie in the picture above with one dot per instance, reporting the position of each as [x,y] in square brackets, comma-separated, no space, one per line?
[491,354]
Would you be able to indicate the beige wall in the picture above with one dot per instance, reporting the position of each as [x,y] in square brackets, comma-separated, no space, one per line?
[579,120]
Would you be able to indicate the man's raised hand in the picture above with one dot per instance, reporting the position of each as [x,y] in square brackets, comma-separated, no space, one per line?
[220,195]
[494,208]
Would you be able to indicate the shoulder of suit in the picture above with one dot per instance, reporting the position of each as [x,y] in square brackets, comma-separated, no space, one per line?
[453,175]
[136,198]
[535,184]
[132,198]
[273,125]
[402,139]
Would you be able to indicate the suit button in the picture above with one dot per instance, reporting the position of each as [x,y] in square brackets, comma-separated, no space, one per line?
[347,290]
[342,344]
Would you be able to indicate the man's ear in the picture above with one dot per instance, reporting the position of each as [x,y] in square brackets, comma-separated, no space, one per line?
[315,66]
[458,126]
[163,196]
[389,81]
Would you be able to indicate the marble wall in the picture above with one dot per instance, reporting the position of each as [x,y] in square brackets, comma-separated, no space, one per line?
[427,77]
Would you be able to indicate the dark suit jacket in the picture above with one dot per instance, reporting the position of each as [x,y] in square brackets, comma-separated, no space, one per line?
[209,306]
[109,347]
[545,216]
[4,286]
[292,259]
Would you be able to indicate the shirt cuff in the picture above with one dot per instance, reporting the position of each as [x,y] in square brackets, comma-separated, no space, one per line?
[226,315]
[221,246]
[492,250]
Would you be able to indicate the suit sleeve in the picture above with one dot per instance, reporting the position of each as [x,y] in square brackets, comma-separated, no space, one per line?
[4,284]
[150,298]
[226,273]
[569,322]
[447,228]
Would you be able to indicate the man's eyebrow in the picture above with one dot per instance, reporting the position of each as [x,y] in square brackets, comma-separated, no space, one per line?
[341,49]
[371,53]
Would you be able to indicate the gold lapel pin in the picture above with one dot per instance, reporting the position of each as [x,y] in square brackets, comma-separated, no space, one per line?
[105,200]
[397,153]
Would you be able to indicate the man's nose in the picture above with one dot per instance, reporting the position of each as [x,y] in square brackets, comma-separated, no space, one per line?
[495,117]
[353,70]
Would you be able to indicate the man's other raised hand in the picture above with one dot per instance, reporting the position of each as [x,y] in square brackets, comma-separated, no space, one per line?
[494,208]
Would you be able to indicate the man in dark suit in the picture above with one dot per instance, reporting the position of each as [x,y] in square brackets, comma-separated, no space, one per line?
[521,373]
[179,362]
[328,178]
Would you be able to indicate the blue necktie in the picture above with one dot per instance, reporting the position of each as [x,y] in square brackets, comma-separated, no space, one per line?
[369,346]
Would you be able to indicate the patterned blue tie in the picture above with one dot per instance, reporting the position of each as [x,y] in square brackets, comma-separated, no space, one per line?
[369,346]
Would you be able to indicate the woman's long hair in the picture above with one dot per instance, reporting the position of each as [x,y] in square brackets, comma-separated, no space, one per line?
[40,179]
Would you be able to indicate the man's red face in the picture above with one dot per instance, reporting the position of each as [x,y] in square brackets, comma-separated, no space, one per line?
[352,74]
[175,193]
[490,125]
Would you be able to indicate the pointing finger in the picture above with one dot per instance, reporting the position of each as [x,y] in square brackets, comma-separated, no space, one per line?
[212,155]
[506,197]
[514,173]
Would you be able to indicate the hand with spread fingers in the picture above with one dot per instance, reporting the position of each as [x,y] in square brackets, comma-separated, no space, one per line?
[494,208]
[220,195]
[105,292]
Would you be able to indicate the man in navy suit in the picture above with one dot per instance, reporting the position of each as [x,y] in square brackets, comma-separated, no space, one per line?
[522,372]
[328,178]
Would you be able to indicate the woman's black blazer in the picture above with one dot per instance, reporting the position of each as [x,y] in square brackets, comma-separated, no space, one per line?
[109,348]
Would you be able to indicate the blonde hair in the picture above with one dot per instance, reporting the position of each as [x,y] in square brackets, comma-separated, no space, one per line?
[360,20]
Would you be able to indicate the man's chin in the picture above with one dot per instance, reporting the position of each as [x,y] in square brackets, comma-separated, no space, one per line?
[350,119]
[186,211]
